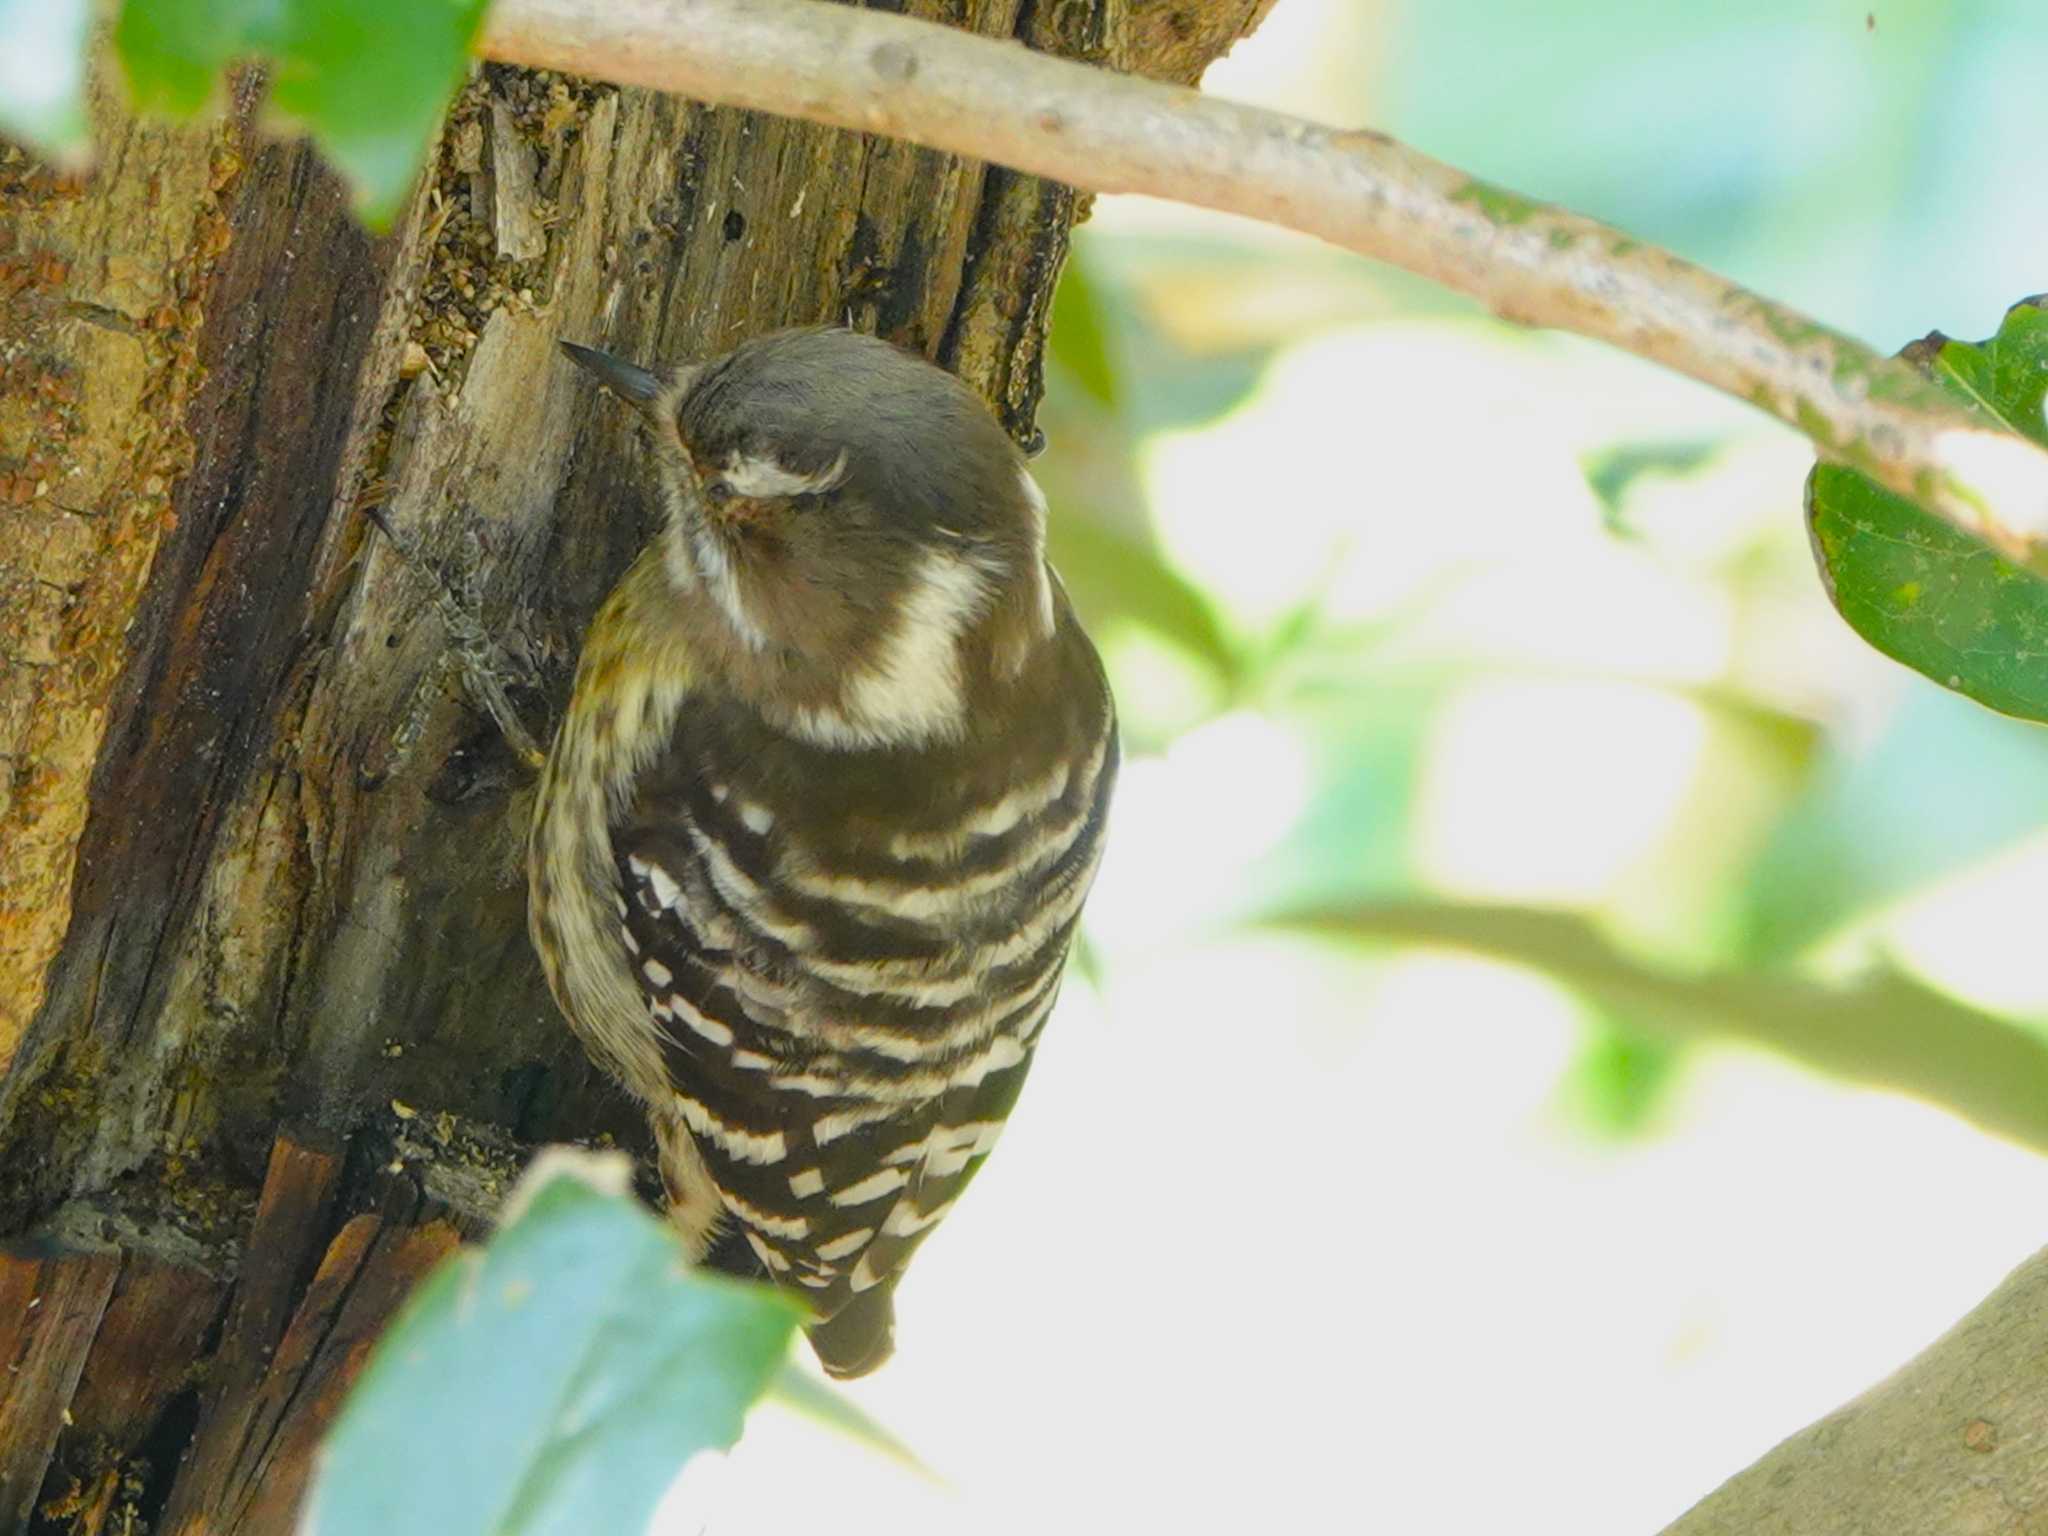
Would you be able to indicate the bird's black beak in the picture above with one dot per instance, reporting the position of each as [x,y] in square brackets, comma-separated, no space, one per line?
[631,383]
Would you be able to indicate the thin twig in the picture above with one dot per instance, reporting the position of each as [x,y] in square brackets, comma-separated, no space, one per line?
[1105,132]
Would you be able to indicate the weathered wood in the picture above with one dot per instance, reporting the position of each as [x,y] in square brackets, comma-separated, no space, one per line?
[286,1241]
[50,1309]
[137,1401]
[1180,42]
[138,1379]
[102,301]
[248,1466]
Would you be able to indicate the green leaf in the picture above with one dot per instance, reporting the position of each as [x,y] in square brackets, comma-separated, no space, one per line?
[174,50]
[369,79]
[1976,783]
[1883,1029]
[1619,1078]
[1368,734]
[815,1400]
[553,1382]
[1613,472]
[42,73]
[1110,573]
[1079,336]
[1914,586]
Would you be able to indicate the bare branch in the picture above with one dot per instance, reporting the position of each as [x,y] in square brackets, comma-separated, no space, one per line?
[1104,132]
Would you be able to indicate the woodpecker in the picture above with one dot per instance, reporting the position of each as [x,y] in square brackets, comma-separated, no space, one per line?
[815,832]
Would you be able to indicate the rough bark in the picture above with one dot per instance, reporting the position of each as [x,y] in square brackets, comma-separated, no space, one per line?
[1950,1442]
[269,489]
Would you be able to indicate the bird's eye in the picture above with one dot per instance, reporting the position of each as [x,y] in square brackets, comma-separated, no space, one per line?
[717,490]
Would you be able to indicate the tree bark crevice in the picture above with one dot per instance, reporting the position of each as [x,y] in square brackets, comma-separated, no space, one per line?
[99,362]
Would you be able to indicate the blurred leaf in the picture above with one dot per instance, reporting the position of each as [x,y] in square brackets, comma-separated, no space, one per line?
[1079,338]
[1619,1077]
[371,81]
[1085,960]
[1303,639]
[1915,587]
[1174,390]
[1111,573]
[368,79]
[1205,294]
[174,50]
[1946,785]
[1884,1030]
[1612,472]
[553,1382]
[1795,740]
[1369,749]
[1178,370]
[42,73]
[1840,222]
[816,1400]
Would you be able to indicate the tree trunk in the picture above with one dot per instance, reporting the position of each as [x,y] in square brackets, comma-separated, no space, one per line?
[276,498]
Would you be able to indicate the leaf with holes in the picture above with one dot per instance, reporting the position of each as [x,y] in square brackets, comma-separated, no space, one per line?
[1913,585]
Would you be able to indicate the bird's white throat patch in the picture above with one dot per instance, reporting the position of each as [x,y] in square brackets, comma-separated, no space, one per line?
[723,583]
[694,558]
[695,554]
[910,689]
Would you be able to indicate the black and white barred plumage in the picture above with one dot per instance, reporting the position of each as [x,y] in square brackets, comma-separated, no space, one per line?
[814,838]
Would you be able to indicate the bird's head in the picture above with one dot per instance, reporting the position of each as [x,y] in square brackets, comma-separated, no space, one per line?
[852,528]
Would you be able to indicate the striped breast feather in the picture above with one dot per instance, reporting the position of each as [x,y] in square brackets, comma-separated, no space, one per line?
[845,1045]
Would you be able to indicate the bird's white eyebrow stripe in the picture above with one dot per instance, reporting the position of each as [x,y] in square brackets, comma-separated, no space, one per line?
[756,475]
